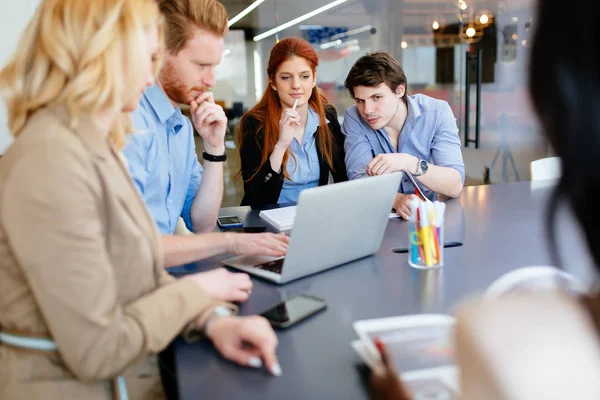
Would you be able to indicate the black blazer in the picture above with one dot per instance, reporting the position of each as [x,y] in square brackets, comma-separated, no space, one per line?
[264,188]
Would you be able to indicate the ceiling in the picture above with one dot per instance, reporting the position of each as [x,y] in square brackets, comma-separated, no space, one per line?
[416,14]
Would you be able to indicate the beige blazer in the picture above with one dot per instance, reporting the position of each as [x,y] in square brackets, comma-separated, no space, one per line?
[80,263]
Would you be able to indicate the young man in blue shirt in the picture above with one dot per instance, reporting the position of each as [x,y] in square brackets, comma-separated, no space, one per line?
[387,131]
[162,155]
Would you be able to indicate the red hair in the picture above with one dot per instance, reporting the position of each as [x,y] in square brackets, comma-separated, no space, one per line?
[268,110]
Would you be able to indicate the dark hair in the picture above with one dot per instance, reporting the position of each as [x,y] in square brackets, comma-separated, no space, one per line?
[565,89]
[374,69]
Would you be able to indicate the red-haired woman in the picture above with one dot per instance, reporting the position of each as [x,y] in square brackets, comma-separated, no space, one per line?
[291,139]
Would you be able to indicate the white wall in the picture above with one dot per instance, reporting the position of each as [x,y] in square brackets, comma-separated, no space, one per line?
[419,65]
[13,18]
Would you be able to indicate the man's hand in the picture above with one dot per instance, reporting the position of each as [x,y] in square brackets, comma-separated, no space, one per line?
[248,341]
[387,163]
[402,204]
[210,122]
[224,285]
[385,381]
[263,244]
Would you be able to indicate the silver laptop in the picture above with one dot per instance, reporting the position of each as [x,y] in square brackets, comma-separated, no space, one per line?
[334,224]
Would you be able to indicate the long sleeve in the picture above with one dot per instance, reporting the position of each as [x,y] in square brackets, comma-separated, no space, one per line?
[359,151]
[265,186]
[445,146]
[54,224]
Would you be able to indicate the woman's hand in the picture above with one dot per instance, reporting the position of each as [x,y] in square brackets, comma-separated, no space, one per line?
[289,120]
[248,341]
[385,383]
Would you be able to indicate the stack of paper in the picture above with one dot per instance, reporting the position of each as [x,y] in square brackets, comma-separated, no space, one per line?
[281,219]
[421,347]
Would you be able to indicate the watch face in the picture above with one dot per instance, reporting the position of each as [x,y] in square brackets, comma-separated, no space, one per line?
[424,165]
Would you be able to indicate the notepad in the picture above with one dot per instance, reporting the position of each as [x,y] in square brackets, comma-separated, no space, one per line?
[421,347]
[416,185]
[281,219]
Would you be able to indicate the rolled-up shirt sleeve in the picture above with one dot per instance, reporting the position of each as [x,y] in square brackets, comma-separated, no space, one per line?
[446,146]
[190,196]
[359,151]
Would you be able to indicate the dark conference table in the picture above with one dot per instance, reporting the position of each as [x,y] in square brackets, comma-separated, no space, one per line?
[502,227]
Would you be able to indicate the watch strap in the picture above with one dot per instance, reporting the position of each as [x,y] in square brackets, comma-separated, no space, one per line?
[213,158]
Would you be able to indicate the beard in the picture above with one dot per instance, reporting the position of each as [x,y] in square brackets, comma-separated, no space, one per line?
[175,88]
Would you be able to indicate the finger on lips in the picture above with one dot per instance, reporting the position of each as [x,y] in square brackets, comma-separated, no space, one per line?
[205,97]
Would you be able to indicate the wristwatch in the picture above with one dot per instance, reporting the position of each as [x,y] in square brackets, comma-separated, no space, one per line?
[213,158]
[422,167]
[219,311]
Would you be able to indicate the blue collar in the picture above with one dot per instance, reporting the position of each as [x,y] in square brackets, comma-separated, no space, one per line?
[313,121]
[413,111]
[163,109]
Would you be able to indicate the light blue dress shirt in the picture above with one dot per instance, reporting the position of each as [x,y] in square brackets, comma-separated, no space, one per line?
[305,171]
[429,133]
[162,160]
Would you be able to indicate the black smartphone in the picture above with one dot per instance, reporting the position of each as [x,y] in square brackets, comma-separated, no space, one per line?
[229,221]
[292,310]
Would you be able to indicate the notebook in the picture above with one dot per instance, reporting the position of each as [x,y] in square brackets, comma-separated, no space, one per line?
[281,219]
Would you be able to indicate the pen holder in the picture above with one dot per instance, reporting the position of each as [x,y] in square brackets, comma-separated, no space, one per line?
[425,245]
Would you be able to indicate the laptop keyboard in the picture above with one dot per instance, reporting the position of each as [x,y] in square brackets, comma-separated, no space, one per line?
[271,266]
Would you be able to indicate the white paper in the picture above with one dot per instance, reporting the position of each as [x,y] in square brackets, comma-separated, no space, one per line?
[281,219]
[422,349]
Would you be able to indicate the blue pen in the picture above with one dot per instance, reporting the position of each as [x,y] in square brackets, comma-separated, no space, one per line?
[414,236]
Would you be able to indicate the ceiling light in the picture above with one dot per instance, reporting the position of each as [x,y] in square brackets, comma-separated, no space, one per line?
[470,32]
[463,5]
[298,20]
[352,32]
[339,43]
[515,19]
[404,44]
[484,19]
[331,44]
[246,11]
[226,52]
[435,25]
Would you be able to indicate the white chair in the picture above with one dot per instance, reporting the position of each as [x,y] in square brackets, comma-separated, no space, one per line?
[546,168]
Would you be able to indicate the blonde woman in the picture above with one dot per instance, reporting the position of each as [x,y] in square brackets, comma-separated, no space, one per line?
[85,302]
